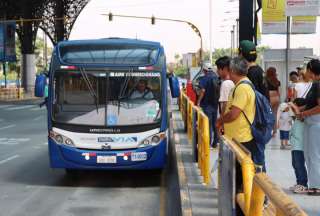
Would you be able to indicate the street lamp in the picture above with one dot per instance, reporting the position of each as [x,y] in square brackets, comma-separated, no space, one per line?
[153,19]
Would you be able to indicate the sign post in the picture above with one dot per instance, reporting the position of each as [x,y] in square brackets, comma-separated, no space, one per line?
[7,45]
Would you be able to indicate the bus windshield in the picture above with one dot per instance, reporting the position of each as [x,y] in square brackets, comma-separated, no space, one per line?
[108,99]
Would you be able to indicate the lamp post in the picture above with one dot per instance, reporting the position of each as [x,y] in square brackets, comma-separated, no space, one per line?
[153,19]
[210,31]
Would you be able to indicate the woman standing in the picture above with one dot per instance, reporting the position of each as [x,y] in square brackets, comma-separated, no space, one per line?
[311,115]
[273,85]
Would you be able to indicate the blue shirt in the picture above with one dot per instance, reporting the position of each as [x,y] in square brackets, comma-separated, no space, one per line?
[206,83]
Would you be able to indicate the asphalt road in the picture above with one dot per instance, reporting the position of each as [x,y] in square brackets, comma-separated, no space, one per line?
[29,187]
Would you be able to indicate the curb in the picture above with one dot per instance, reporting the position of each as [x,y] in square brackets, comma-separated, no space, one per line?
[185,201]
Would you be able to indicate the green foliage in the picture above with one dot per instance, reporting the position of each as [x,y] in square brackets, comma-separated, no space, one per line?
[181,71]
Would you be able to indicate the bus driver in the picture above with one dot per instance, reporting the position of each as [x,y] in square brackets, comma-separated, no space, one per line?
[142,91]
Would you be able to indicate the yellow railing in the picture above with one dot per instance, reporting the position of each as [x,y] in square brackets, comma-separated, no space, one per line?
[203,146]
[189,119]
[187,109]
[257,186]
[282,204]
[183,105]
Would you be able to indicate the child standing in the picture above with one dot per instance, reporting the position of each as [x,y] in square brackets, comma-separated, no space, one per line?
[298,160]
[284,124]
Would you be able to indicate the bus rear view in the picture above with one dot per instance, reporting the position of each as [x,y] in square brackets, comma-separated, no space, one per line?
[107,105]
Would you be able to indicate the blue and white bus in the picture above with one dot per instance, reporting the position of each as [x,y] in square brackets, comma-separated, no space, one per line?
[107,104]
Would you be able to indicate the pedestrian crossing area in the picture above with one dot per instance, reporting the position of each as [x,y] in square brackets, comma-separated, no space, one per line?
[16,107]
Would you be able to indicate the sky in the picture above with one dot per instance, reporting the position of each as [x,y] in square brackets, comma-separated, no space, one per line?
[175,37]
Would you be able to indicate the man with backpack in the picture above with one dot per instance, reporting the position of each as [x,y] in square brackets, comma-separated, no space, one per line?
[248,118]
[247,50]
[208,100]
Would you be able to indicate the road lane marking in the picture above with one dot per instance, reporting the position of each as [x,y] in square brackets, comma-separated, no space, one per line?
[163,199]
[9,159]
[8,126]
[37,108]
[37,118]
[20,107]
[5,106]
[12,141]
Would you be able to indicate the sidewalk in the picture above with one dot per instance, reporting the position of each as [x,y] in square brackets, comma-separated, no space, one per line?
[279,168]
[26,100]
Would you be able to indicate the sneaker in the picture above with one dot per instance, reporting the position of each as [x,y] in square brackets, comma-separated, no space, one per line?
[300,189]
[287,147]
[282,146]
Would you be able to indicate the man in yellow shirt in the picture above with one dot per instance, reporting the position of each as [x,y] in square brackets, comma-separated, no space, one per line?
[241,99]
[240,107]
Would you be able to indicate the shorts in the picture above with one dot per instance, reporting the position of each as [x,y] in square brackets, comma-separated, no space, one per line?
[284,135]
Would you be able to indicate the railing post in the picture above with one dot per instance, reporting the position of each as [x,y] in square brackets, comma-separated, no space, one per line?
[189,116]
[206,149]
[248,172]
[200,140]
[195,134]
[257,200]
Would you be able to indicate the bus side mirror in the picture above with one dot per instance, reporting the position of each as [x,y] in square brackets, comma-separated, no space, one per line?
[40,85]
[174,86]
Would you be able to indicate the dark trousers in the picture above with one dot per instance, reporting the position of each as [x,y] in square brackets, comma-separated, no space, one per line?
[257,154]
[298,163]
[212,112]
[258,158]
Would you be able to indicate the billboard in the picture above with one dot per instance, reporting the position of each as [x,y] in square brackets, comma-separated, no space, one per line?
[274,20]
[303,24]
[302,7]
[7,41]
[1,42]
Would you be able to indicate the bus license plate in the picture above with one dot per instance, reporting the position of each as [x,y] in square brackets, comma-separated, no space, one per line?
[139,156]
[106,159]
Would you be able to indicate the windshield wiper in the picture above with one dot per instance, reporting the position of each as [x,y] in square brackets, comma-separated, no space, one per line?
[123,90]
[89,86]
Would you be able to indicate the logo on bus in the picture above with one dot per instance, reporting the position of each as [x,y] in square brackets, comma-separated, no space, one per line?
[118,139]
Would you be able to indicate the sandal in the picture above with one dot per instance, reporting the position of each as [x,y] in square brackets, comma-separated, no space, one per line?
[314,192]
[300,189]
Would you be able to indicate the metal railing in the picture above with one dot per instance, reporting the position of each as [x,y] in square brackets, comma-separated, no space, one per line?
[258,185]
[201,121]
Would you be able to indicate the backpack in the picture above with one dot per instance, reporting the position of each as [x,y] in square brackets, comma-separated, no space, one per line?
[264,120]
[216,84]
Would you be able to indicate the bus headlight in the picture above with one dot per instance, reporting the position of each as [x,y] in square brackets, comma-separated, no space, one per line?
[60,139]
[69,142]
[152,140]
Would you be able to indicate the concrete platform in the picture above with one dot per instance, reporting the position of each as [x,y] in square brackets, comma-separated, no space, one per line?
[279,168]
[196,198]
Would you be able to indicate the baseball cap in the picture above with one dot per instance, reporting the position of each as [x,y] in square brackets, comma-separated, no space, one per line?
[207,67]
[247,47]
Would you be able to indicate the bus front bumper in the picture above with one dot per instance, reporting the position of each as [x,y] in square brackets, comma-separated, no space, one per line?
[151,157]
